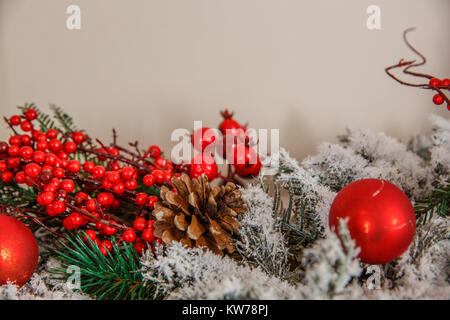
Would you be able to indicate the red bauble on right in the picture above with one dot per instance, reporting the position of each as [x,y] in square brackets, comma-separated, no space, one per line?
[381,218]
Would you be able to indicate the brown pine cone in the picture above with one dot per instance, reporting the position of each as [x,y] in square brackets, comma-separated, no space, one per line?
[199,216]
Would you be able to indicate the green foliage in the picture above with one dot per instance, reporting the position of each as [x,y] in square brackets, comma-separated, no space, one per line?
[114,277]
[14,195]
[63,118]
[435,204]
[299,217]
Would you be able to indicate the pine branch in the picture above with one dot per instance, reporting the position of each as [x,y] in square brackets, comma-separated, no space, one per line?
[114,277]
[435,203]
[14,195]
[63,118]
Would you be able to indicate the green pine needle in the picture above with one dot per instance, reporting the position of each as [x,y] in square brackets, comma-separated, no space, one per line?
[63,118]
[435,203]
[116,276]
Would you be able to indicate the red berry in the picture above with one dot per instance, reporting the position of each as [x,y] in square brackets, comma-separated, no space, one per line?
[3,165]
[150,223]
[99,225]
[74,166]
[118,188]
[160,162]
[445,82]
[55,145]
[148,180]
[203,164]
[139,248]
[434,82]
[26,139]
[127,173]
[113,151]
[129,236]
[15,141]
[26,153]
[13,162]
[13,151]
[76,219]
[109,231]
[107,244]
[203,137]
[148,235]
[437,99]
[56,183]
[91,235]
[30,114]
[159,176]
[78,137]
[91,205]
[62,155]
[7,176]
[58,207]
[140,224]
[3,147]
[141,198]
[21,177]
[52,133]
[38,156]
[152,200]
[70,147]
[105,199]
[68,185]
[107,184]
[32,170]
[81,197]
[15,120]
[98,172]
[154,151]
[229,126]
[26,126]
[246,162]
[50,188]
[45,198]
[113,176]
[51,159]
[115,166]
[42,145]
[67,224]
[131,184]
[88,166]
[59,173]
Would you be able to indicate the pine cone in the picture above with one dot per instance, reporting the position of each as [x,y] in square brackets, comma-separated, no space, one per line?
[199,216]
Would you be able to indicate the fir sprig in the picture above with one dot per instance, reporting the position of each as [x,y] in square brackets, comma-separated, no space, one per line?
[63,118]
[435,204]
[116,276]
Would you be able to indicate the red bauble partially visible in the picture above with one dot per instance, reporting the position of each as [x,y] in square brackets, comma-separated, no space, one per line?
[19,251]
[381,218]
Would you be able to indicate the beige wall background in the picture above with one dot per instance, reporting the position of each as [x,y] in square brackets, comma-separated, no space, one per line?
[310,68]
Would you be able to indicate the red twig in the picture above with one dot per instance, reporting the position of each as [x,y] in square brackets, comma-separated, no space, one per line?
[407,65]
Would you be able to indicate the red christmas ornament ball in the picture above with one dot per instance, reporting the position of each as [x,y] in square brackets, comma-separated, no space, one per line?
[381,218]
[19,251]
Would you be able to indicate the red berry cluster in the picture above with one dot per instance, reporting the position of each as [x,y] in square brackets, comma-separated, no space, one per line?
[233,144]
[86,195]
[438,99]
